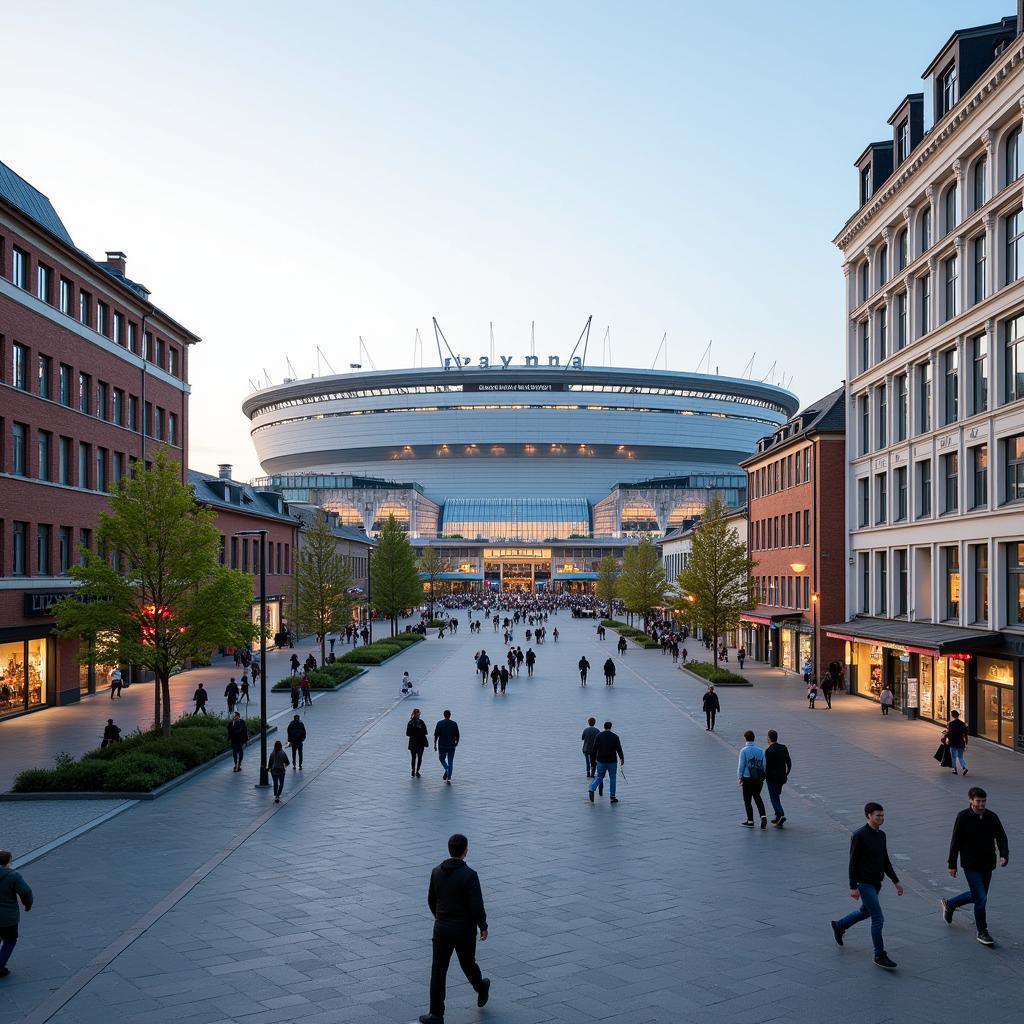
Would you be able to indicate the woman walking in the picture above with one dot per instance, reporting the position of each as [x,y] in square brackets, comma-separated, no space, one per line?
[277,763]
[416,730]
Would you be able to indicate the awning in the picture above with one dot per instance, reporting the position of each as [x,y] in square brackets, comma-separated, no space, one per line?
[915,637]
[575,575]
[764,619]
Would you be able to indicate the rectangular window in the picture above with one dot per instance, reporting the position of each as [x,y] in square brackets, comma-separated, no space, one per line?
[900,555]
[807,526]
[64,378]
[1014,584]
[172,428]
[158,423]
[865,184]
[901,321]
[84,393]
[947,91]
[64,462]
[950,482]
[101,399]
[979,374]
[84,455]
[883,265]
[901,494]
[45,372]
[133,413]
[980,191]
[117,408]
[883,416]
[287,560]
[160,347]
[1013,225]
[172,365]
[865,582]
[883,333]
[119,328]
[901,407]
[902,140]
[102,481]
[84,541]
[924,289]
[901,250]
[44,284]
[19,268]
[924,397]
[864,502]
[85,308]
[19,561]
[44,535]
[881,498]
[65,542]
[19,449]
[979,561]
[924,488]
[865,424]
[147,345]
[132,342]
[1013,348]
[951,384]
[951,570]
[102,317]
[234,552]
[66,291]
[949,210]
[44,444]
[883,583]
[245,554]
[950,277]
[979,476]
[1014,467]
[118,474]
[865,345]
[926,231]
[865,281]
[19,378]
[978,249]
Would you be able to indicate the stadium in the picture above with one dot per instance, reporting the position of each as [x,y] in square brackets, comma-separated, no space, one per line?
[470,455]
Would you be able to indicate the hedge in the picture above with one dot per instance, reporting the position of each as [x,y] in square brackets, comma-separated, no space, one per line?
[404,638]
[326,678]
[141,762]
[373,654]
[718,676]
[637,635]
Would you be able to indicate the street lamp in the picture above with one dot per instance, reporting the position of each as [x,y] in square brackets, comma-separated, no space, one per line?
[262,534]
[799,568]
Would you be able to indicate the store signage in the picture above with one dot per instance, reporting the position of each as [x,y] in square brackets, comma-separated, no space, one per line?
[514,386]
[912,692]
[39,602]
[504,362]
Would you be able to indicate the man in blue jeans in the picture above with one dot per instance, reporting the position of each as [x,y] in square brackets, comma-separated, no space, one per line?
[977,834]
[869,862]
[446,739]
[607,748]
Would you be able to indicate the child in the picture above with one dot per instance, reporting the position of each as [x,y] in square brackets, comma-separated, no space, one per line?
[812,694]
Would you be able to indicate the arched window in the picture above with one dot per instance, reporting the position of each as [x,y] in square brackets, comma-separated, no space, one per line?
[1013,162]
[980,184]
[949,210]
[883,265]
[925,234]
[901,250]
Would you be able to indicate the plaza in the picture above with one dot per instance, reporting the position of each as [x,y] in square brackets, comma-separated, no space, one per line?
[212,904]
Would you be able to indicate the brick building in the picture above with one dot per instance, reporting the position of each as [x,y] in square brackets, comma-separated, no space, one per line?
[93,376]
[797,537]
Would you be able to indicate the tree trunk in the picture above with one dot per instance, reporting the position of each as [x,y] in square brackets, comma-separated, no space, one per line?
[165,691]
[323,649]
[156,703]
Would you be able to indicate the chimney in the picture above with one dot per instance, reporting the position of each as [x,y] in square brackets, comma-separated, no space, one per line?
[118,261]
[224,470]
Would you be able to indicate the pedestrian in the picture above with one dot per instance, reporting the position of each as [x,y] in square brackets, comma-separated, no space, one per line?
[296,737]
[750,778]
[686,654]
[607,747]
[503,675]
[12,889]
[977,835]
[712,705]
[519,661]
[231,693]
[826,689]
[111,734]
[956,740]
[589,737]
[238,736]
[416,730]
[622,645]
[243,686]
[812,694]
[199,698]
[294,661]
[869,862]
[807,670]
[115,683]
[446,739]
[483,663]
[307,698]
[255,668]
[495,677]
[455,900]
[777,766]
[277,765]
[885,700]
[741,656]
[609,673]
[531,660]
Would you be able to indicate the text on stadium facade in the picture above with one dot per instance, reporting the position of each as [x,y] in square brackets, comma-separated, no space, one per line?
[484,362]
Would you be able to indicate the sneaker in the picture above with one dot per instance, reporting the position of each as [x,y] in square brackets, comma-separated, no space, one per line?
[965,771]
[947,911]
[447,782]
[955,772]
[883,961]
[780,822]
[484,993]
[431,1018]
[4,971]
[775,820]
[764,824]
[614,800]
[590,793]
[837,932]
[747,824]
[445,777]
[985,939]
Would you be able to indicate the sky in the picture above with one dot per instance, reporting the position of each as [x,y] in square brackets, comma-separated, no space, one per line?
[285,177]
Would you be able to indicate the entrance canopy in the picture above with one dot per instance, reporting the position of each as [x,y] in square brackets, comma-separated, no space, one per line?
[915,637]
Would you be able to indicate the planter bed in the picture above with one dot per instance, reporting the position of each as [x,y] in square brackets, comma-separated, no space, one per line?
[638,636]
[331,677]
[376,653]
[141,767]
[716,676]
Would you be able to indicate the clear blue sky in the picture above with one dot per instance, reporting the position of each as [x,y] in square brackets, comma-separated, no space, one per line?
[284,176]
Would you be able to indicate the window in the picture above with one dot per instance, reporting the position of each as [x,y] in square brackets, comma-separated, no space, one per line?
[1014,584]
[865,424]
[926,231]
[924,397]
[924,489]
[863,502]
[901,250]
[84,393]
[84,455]
[901,407]
[951,384]
[925,291]
[865,350]
[949,209]
[119,328]
[160,346]
[865,281]
[951,572]
[881,498]
[19,268]
[64,384]
[902,140]
[1013,162]
[1014,228]
[102,317]
[901,321]
[19,560]
[865,582]
[900,555]
[85,541]
[1013,348]
[45,372]
[19,378]
[158,423]
[133,413]
[883,416]
[44,283]
[979,562]
[172,364]
[950,278]
[979,476]
[950,482]
[117,409]
[19,449]
[865,184]
[1014,468]
[980,188]
[947,91]
[65,542]
[883,582]
[883,265]
[147,345]
[234,552]
[883,333]
[44,443]
[101,470]
[980,267]
[101,399]
[66,288]
[245,554]
[43,537]
[64,462]
[85,308]
[132,343]
[118,472]
[172,428]
[901,494]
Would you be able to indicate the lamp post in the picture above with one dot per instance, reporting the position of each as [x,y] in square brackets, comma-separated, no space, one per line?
[799,568]
[264,781]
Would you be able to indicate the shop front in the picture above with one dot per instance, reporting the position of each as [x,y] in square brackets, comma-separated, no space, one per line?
[26,674]
[780,640]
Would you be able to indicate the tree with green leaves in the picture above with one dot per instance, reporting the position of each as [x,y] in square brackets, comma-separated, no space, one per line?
[431,566]
[160,595]
[323,603]
[643,585]
[394,580]
[718,584]
[606,587]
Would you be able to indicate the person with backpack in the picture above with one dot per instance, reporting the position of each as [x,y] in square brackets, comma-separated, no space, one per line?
[483,663]
[296,737]
[277,765]
[885,699]
[294,662]
[622,646]
[750,778]
[712,706]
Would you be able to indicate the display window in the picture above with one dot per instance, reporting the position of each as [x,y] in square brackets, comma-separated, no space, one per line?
[995,700]
[23,675]
[926,686]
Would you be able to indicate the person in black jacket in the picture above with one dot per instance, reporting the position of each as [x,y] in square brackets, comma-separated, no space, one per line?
[777,766]
[712,705]
[231,693]
[869,862]
[296,737]
[446,739]
[584,667]
[416,730]
[238,736]
[609,673]
[956,740]
[977,834]
[606,748]
[455,900]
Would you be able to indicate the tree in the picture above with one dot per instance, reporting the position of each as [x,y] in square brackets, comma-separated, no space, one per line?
[643,584]
[719,578]
[431,566]
[395,582]
[606,587]
[163,597]
[322,581]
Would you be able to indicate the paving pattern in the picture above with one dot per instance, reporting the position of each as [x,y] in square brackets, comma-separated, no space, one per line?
[211,905]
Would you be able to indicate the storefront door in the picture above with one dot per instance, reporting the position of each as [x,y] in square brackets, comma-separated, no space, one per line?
[995,703]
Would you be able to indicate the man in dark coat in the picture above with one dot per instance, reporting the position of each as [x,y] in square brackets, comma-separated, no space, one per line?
[12,889]
[231,694]
[238,736]
[777,766]
[455,900]
[607,747]
[584,667]
[712,705]
[609,673]
[446,739]
[199,698]
[956,740]
[296,737]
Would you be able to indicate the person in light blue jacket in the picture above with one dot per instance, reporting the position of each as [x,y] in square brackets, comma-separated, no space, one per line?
[750,778]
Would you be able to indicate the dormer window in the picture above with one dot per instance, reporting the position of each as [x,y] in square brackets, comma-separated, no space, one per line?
[903,140]
[947,90]
[865,184]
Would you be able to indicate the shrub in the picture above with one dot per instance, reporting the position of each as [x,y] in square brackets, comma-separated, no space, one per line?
[436,623]
[325,678]
[374,654]
[718,676]
[405,638]
[191,751]
[138,772]
[86,776]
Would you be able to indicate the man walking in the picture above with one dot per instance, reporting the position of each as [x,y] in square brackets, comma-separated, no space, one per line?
[531,659]
[869,862]
[584,667]
[446,739]
[199,698]
[977,835]
[750,778]
[483,663]
[589,736]
[455,900]
[609,673]
[296,737]
[238,736]
[231,693]
[826,689]
[777,766]
[712,706]
[115,683]
[607,748]
[12,889]
[956,740]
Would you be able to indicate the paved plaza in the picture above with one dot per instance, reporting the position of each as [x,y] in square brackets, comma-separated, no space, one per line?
[213,905]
